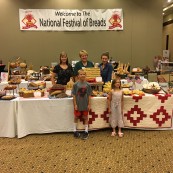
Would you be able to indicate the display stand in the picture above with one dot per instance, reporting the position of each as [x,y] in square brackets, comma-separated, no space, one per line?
[167,71]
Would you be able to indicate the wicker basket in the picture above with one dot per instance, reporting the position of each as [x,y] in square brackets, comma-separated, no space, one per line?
[151,91]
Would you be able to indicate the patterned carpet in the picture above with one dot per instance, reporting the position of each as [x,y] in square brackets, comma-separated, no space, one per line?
[137,152]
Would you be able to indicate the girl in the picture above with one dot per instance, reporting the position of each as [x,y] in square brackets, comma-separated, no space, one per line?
[115,107]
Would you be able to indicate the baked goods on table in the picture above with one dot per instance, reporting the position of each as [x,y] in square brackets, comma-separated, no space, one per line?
[2,93]
[15,80]
[122,69]
[69,85]
[10,87]
[133,92]
[37,85]
[92,73]
[97,93]
[151,88]
[107,87]
[57,91]
[7,97]
[25,93]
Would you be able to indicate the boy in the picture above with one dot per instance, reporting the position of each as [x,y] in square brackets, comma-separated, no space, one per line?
[81,99]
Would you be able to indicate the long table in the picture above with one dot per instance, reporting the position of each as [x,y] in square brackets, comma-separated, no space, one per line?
[8,126]
[43,115]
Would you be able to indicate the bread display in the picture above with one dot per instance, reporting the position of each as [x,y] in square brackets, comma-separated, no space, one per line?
[151,88]
[37,85]
[25,93]
[10,87]
[32,84]
[133,92]
[70,85]
[58,87]
[15,80]
[107,87]
[57,91]
[7,97]
[54,93]
[92,73]
[122,69]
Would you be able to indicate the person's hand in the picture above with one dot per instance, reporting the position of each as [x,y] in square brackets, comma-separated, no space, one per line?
[75,107]
[89,107]
[109,110]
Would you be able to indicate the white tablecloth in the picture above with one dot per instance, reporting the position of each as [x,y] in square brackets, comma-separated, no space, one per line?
[44,116]
[8,119]
[21,117]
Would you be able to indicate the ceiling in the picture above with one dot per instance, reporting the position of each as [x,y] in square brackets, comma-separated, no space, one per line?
[167,7]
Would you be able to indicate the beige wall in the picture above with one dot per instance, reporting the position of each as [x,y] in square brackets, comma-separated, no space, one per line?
[137,44]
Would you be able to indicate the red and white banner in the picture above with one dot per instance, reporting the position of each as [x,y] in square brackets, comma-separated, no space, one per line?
[70,20]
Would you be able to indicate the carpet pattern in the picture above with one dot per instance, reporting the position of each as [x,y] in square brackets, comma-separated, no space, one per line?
[137,152]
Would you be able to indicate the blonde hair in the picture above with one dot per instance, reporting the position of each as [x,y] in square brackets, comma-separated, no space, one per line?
[114,81]
[81,71]
[83,52]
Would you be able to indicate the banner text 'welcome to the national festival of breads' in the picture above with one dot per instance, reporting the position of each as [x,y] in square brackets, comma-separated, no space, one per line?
[70,20]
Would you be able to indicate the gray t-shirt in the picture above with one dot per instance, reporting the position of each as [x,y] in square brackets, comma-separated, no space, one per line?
[82,91]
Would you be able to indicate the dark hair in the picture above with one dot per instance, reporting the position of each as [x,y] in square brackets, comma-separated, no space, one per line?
[63,54]
[105,54]
[114,81]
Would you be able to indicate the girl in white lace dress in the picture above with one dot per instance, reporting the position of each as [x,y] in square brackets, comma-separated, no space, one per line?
[115,107]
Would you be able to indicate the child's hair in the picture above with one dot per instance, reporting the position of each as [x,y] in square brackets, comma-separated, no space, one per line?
[114,81]
[83,52]
[81,70]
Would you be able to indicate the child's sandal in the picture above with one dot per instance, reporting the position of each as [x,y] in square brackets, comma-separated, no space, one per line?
[113,134]
[120,135]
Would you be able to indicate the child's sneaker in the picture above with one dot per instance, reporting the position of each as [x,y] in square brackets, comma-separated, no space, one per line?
[76,134]
[85,135]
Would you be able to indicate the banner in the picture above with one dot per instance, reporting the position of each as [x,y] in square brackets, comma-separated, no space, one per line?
[70,20]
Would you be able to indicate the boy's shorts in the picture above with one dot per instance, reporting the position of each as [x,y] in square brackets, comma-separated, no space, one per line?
[80,113]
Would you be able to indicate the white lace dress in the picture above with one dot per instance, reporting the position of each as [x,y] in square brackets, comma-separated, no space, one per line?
[116,115]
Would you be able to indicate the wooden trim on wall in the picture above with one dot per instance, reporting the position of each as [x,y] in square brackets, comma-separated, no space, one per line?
[168,22]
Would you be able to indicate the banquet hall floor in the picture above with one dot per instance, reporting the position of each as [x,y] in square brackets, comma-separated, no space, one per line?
[137,152]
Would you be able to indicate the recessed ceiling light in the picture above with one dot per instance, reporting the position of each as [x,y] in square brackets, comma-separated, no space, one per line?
[169,0]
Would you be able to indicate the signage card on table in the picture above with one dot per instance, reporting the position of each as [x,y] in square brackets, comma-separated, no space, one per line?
[4,76]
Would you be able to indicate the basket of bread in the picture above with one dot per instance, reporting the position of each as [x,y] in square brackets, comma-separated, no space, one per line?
[36,85]
[57,91]
[25,93]
[151,88]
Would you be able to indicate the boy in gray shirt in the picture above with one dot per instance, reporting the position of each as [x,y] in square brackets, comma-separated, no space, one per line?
[81,99]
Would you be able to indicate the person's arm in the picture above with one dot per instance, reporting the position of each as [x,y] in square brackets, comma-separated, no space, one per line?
[74,102]
[74,97]
[89,102]
[122,103]
[109,75]
[53,78]
[109,102]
